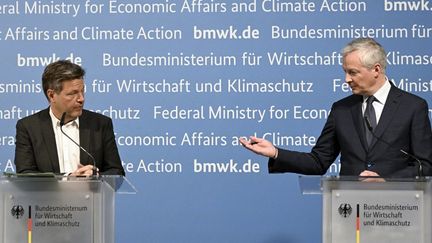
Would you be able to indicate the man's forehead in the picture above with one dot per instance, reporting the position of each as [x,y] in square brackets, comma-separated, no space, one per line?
[73,84]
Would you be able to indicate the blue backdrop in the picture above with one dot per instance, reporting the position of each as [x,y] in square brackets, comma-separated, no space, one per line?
[182,80]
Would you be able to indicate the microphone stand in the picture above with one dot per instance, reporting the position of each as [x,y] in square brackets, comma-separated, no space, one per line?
[420,166]
[62,123]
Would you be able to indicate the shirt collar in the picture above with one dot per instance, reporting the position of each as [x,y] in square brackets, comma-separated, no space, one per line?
[56,122]
[382,93]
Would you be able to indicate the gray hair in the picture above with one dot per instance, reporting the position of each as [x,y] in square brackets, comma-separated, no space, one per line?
[371,52]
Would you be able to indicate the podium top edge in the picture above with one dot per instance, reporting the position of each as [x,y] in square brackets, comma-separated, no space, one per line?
[361,178]
[49,175]
[120,184]
[316,184]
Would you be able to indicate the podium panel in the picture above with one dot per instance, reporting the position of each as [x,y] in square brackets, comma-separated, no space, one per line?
[357,210]
[58,209]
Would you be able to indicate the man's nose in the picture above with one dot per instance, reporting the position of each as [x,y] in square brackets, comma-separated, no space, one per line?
[80,98]
[348,78]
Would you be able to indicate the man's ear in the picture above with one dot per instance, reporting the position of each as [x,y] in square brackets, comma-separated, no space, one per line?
[50,95]
[377,69]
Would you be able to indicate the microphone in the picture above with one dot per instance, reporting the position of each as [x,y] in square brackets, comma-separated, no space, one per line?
[420,168]
[62,123]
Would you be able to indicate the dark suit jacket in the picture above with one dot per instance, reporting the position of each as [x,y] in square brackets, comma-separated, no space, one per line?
[36,149]
[404,124]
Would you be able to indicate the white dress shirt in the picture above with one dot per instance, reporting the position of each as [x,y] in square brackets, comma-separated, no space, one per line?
[381,98]
[68,152]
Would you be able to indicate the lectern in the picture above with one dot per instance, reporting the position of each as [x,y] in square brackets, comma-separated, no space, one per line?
[368,210]
[48,208]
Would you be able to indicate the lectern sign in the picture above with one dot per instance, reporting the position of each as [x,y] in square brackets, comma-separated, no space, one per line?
[61,219]
[377,216]
[396,210]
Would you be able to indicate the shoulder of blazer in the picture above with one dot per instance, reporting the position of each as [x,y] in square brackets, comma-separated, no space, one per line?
[38,117]
[397,94]
[89,117]
[348,102]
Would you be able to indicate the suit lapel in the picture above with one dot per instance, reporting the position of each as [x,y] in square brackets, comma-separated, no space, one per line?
[389,111]
[356,113]
[49,140]
[84,132]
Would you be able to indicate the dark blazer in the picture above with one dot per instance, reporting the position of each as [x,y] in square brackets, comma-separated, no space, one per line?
[36,149]
[404,124]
